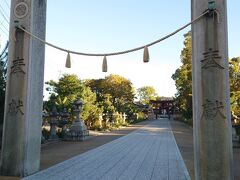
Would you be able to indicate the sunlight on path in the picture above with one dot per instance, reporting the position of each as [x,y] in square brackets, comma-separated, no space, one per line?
[148,153]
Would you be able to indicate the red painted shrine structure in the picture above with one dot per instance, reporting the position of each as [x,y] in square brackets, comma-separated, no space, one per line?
[163,106]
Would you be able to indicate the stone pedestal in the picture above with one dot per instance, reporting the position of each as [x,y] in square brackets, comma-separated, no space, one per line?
[77,132]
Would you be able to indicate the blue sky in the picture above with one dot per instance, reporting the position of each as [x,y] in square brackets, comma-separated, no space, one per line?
[107,26]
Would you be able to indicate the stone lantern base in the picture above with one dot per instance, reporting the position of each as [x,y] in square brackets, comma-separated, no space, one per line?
[77,132]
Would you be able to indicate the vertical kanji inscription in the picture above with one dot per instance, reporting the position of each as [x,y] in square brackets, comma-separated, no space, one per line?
[15,107]
[211,59]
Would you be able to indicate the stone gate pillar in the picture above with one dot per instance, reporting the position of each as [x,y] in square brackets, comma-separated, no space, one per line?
[211,102]
[24,94]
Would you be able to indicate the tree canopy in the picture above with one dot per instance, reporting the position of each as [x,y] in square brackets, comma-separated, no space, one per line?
[114,90]
[234,76]
[64,92]
[183,81]
[112,95]
[68,87]
[146,93]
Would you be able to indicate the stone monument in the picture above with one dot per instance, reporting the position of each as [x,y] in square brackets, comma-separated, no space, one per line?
[211,101]
[53,123]
[64,120]
[21,142]
[78,130]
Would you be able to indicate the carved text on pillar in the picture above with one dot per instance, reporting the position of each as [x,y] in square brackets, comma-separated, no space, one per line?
[212,108]
[15,107]
[17,66]
[211,59]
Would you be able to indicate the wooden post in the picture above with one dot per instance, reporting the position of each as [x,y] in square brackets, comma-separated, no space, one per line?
[211,102]
[23,105]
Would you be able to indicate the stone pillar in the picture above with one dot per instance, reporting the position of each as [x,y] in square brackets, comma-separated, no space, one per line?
[24,94]
[64,121]
[124,118]
[53,123]
[211,102]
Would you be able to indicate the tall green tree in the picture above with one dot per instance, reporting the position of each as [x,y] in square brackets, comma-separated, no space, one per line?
[146,93]
[234,76]
[65,91]
[183,80]
[114,94]
[107,104]
[67,88]
[90,112]
[97,86]
[114,88]
[119,88]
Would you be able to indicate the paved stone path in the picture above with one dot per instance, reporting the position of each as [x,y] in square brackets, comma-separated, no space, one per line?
[148,153]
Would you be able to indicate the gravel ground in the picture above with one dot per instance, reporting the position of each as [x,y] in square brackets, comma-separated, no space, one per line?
[183,135]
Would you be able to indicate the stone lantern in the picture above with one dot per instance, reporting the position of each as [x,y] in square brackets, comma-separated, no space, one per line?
[53,123]
[44,116]
[78,130]
[64,120]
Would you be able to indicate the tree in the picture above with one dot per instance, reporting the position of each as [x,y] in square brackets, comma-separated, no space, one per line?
[3,74]
[107,104]
[146,93]
[114,88]
[67,89]
[120,89]
[61,102]
[234,76]
[96,86]
[90,112]
[114,94]
[183,80]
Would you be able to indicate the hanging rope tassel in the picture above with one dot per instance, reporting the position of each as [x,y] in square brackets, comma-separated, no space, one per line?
[120,52]
[104,64]
[145,55]
[68,61]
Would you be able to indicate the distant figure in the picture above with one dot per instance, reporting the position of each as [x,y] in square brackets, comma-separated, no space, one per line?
[169,116]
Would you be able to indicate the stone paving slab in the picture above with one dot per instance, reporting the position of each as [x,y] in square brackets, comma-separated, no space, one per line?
[148,153]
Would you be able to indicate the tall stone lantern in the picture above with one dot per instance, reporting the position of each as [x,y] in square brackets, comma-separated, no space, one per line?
[63,121]
[78,130]
[53,123]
